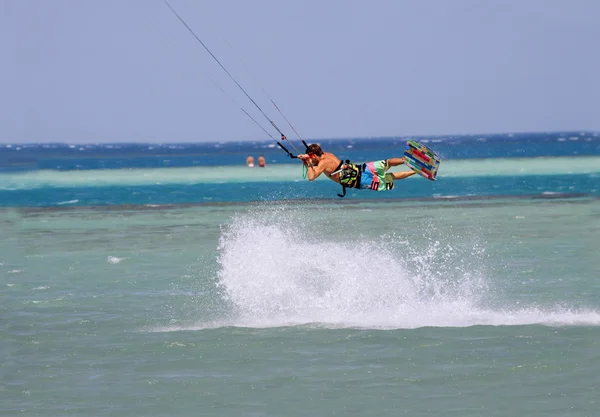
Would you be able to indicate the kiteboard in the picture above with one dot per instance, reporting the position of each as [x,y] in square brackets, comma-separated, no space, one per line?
[421,159]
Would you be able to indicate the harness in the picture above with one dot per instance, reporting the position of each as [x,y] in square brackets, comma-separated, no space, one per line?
[349,175]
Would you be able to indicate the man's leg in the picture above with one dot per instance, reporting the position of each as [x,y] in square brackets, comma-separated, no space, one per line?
[402,175]
[394,162]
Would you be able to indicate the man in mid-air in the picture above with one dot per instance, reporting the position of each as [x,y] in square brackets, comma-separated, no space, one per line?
[368,176]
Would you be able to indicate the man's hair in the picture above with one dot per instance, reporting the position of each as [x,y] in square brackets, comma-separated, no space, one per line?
[314,149]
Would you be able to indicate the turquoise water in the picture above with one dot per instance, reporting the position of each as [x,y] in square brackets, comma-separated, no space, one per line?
[466,178]
[284,173]
[171,280]
[307,308]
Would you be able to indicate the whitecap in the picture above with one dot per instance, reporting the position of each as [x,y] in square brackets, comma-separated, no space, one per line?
[115,260]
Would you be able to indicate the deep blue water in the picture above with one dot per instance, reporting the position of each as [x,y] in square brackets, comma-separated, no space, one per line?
[114,156]
[548,186]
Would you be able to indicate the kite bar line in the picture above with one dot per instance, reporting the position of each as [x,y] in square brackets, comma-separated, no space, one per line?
[241,108]
[283,137]
[266,94]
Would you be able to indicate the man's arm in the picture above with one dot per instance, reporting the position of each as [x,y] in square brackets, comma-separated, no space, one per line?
[313,170]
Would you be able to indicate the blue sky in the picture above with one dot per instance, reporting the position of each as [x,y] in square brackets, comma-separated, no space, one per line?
[112,70]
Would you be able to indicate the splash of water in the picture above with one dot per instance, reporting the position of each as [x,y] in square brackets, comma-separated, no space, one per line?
[280,269]
[283,267]
[115,260]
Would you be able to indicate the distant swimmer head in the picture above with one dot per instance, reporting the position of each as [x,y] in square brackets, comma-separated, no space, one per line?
[261,161]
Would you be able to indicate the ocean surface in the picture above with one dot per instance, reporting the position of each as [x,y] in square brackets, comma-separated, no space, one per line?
[172,280]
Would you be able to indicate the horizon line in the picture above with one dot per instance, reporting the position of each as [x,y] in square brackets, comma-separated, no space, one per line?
[580,132]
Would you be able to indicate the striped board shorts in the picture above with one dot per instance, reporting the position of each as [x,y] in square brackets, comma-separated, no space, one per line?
[374,176]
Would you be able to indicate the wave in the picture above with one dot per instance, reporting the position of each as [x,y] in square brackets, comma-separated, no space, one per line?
[553,316]
[282,173]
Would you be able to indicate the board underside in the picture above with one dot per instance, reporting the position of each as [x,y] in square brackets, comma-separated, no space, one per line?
[421,159]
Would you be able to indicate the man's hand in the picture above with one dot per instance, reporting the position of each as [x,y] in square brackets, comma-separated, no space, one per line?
[307,159]
[315,168]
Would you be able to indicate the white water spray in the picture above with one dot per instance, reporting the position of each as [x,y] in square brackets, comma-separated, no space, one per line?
[278,269]
[284,268]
